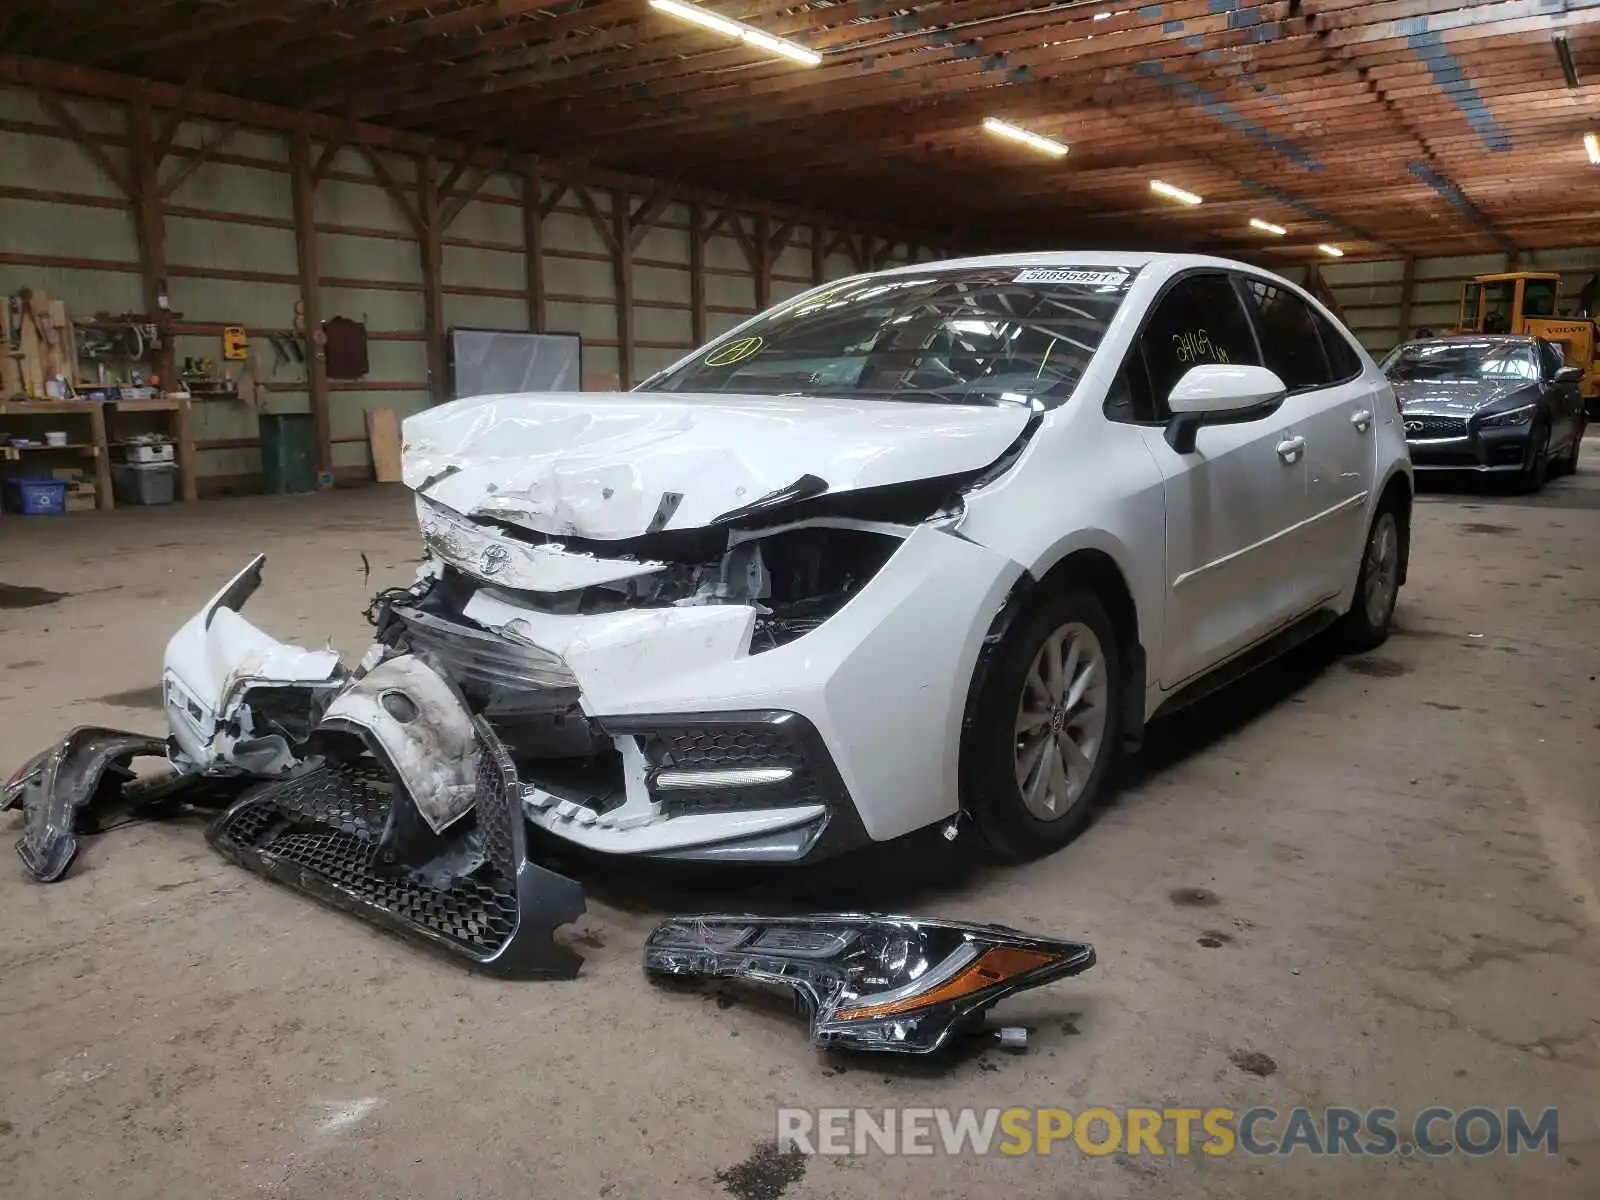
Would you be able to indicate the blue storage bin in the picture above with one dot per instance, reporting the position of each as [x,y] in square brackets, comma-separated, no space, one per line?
[35,496]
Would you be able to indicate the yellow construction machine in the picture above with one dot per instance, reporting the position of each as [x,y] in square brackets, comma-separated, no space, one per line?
[1527,302]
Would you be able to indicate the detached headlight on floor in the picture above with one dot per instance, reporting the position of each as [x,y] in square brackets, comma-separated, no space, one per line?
[1511,417]
[869,983]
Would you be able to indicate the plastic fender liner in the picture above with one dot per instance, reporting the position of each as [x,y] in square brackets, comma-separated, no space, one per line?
[319,832]
[55,787]
[419,727]
[884,983]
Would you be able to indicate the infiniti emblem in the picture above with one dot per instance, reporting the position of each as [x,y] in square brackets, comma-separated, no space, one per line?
[1415,427]
[493,559]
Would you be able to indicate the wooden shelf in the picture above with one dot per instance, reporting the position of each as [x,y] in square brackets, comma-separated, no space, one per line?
[75,447]
[159,404]
[23,408]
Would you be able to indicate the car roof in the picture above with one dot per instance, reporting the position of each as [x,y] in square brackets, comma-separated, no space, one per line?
[1077,258]
[1494,339]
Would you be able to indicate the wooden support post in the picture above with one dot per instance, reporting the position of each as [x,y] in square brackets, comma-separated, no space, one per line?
[1408,281]
[105,498]
[150,224]
[761,262]
[303,184]
[430,229]
[622,232]
[183,430]
[697,273]
[622,257]
[819,256]
[533,249]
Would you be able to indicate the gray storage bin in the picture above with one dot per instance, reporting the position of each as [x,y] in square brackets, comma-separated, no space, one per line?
[144,483]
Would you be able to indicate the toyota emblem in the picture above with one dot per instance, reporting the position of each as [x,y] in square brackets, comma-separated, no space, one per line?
[493,559]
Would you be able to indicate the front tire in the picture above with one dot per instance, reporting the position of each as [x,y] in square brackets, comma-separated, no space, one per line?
[1537,471]
[1569,464]
[1366,626]
[1047,728]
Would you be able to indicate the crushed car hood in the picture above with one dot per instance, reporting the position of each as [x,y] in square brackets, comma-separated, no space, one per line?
[619,465]
[1453,399]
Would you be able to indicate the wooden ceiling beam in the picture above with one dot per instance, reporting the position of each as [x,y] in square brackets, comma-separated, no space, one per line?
[263,55]
[87,81]
[764,94]
[653,45]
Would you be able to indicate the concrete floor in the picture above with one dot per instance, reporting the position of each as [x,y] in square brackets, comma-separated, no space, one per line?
[1400,852]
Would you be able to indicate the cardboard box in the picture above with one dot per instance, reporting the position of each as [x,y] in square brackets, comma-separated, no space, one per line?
[148,452]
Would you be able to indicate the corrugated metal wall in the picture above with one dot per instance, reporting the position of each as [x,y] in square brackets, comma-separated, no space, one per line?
[1371,293]
[65,227]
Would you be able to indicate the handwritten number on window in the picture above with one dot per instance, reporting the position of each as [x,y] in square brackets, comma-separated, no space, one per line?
[1196,346]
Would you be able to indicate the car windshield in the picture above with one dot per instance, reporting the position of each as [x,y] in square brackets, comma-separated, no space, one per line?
[1461,362]
[989,335]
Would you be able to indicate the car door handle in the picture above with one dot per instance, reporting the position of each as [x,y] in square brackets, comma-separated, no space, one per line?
[1290,449]
[1362,420]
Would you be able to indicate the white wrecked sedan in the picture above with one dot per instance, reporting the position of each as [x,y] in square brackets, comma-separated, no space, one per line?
[921,543]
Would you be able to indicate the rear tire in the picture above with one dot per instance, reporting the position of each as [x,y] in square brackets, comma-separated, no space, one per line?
[1048,726]
[1366,626]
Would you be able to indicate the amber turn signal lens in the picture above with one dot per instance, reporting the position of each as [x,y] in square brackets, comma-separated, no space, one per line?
[994,966]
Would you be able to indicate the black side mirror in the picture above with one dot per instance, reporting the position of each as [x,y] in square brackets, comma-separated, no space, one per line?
[1568,375]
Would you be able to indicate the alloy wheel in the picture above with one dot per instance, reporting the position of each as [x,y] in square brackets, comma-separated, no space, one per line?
[1061,721]
[1382,570]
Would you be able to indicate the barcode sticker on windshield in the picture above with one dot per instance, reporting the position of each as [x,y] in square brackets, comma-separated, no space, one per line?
[1058,275]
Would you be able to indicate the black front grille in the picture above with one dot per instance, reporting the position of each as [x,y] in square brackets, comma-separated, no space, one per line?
[1435,427]
[319,832]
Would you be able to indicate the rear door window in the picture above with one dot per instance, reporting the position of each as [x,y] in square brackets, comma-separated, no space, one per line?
[1343,361]
[1291,343]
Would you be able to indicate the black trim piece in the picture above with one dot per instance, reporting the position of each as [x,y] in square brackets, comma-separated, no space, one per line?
[1243,663]
[320,832]
[804,488]
[58,788]
[1184,428]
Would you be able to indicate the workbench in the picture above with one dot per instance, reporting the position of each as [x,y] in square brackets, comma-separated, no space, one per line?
[109,424]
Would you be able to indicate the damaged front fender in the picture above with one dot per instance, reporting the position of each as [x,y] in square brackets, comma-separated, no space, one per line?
[237,700]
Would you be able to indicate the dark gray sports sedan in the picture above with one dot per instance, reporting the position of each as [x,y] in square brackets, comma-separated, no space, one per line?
[1502,405]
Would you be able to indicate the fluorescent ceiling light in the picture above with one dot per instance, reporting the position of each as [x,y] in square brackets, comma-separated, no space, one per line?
[1267,227]
[1101,16]
[1591,143]
[1331,251]
[793,51]
[1174,193]
[1033,140]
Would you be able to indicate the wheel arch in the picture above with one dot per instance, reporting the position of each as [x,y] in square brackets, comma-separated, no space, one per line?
[1096,569]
